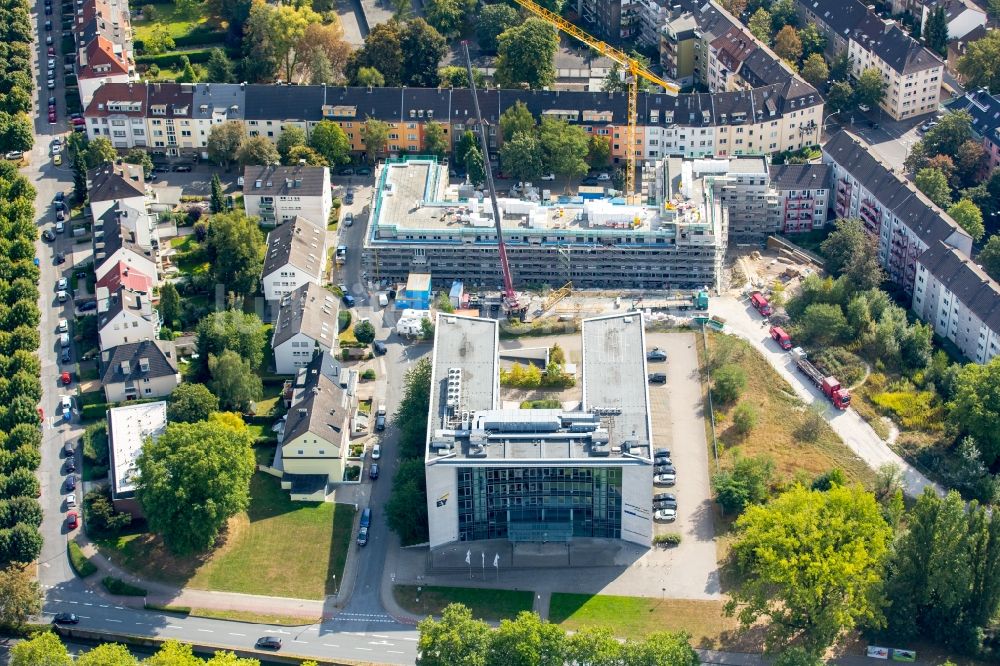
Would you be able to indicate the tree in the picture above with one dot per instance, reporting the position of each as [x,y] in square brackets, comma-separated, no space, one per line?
[869,89]
[475,167]
[20,596]
[521,157]
[320,69]
[291,136]
[305,154]
[783,15]
[170,304]
[970,162]
[936,31]
[969,217]
[382,51]
[842,246]
[242,332]
[749,482]
[814,70]
[107,654]
[760,25]
[745,417]
[100,151]
[564,147]
[329,140]
[980,66]
[278,29]
[406,510]
[257,150]
[188,74]
[224,142]
[322,46]
[219,68]
[172,653]
[948,135]
[492,21]
[812,564]
[375,136]
[788,45]
[975,409]
[44,649]
[934,184]
[735,7]
[190,403]
[193,478]
[516,118]
[456,638]
[217,203]
[158,40]
[598,151]
[364,331]
[730,380]
[525,55]
[989,256]
[140,157]
[840,96]
[21,543]
[813,41]
[823,323]
[424,48]
[435,140]
[235,248]
[527,639]
[79,177]
[234,381]
[369,77]
[447,16]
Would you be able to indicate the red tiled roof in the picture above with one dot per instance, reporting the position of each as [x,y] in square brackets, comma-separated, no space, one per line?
[102,60]
[123,275]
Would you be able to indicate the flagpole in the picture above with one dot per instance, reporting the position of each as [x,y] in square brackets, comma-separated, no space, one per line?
[484,564]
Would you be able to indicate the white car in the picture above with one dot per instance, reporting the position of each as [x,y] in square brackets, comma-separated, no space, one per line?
[63,326]
[62,284]
[665,515]
[665,479]
[71,500]
[56,148]
[349,220]
[60,227]
[376,452]
[383,299]
[549,176]
[603,177]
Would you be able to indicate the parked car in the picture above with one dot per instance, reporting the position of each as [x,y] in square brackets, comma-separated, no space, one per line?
[60,225]
[348,300]
[72,522]
[60,258]
[364,171]
[363,536]
[70,465]
[13,155]
[347,172]
[603,177]
[64,357]
[667,515]
[373,471]
[380,419]
[89,305]
[60,214]
[50,83]
[66,406]
[71,482]
[62,284]
[665,479]
[664,496]
[349,197]
[549,176]
[71,500]
[268,643]
[62,296]
[68,448]
[66,618]
[183,168]
[664,469]
[656,354]
[658,378]
[63,325]
[52,121]
[376,452]
[349,220]
[662,452]
[66,378]
[48,235]
[48,26]
[379,347]
[665,504]
[662,460]
[57,160]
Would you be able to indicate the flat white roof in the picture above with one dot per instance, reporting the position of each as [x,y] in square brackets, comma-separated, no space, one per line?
[128,428]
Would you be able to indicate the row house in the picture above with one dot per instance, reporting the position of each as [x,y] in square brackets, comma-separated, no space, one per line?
[280,194]
[803,193]
[905,222]
[125,316]
[176,119]
[912,74]
[985,111]
[296,255]
[102,35]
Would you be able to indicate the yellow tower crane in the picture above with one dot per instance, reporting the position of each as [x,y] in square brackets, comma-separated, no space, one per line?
[634,71]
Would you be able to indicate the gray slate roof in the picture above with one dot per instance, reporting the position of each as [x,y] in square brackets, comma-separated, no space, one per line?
[984,109]
[298,243]
[161,355]
[110,182]
[305,181]
[800,176]
[311,310]
[323,411]
[914,209]
[110,236]
[126,299]
[964,278]
[225,98]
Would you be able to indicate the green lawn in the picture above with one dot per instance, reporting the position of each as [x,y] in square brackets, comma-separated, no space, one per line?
[279,547]
[637,617]
[167,16]
[485,604]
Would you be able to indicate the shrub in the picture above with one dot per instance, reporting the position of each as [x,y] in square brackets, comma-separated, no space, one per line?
[343,320]
[120,587]
[730,380]
[745,417]
[548,403]
[368,375]
[100,515]
[94,412]
[521,376]
[668,539]
[352,473]
[172,60]
[80,563]
[915,410]
[95,445]
[812,422]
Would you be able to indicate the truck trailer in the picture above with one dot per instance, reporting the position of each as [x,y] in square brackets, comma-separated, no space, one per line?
[840,397]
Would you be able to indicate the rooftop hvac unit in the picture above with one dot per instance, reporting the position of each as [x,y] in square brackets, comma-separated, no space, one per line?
[454,389]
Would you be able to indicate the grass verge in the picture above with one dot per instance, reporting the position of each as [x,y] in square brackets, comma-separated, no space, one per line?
[637,617]
[492,605]
[80,563]
[118,586]
[252,556]
[179,610]
[255,618]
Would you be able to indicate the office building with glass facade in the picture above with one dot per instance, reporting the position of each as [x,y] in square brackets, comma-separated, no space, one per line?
[583,471]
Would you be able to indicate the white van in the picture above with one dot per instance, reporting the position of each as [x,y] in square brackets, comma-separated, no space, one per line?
[64,340]
[383,299]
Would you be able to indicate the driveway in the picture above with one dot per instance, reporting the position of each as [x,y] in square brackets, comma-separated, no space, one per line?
[742,320]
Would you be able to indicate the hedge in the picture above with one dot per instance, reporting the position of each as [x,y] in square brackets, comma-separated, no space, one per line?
[200,36]
[180,610]
[94,412]
[120,587]
[668,539]
[80,563]
[172,60]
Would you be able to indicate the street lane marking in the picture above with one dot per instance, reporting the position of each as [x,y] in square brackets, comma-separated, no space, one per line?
[232,634]
[365,649]
[85,617]
[330,645]
[394,652]
[379,636]
[407,638]
[207,631]
[111,620]
[172,626]
[104,606]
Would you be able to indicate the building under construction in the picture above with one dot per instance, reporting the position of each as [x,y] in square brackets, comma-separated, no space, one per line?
[420,223]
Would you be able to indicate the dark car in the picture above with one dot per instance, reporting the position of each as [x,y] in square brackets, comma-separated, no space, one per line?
[60,196]
[373,471]
[70,483]
[182,168]
[662,452]
[64,356]
[87,306]
[70,465]
[380,422]
[52,102]
[48,10]
[658,378]
[61,258]
[656,354]
[48,235]
[380,348]
[347,172]
[48,26]
[664,469]
[68,448]
[349,198]
[364,171]
[664,496]
[662,460]
[348,300]
[664,504]
[363,536]
[590,181]
[268,643]
[66,618]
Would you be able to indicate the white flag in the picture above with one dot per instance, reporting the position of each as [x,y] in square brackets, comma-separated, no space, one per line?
[484,558]
[468,557]
[496,561]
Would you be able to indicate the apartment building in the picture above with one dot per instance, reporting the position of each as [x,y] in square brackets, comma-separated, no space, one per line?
[306,322]
[534,476]
[419,223]
[985,111]
[102,35]
[296,255]
[912,74]
[783,114]
[125,316]
[139,370]
[128,429]
[110,185]
[961,16]
[280,194]
[905,222]
[959,300]
[803,196]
